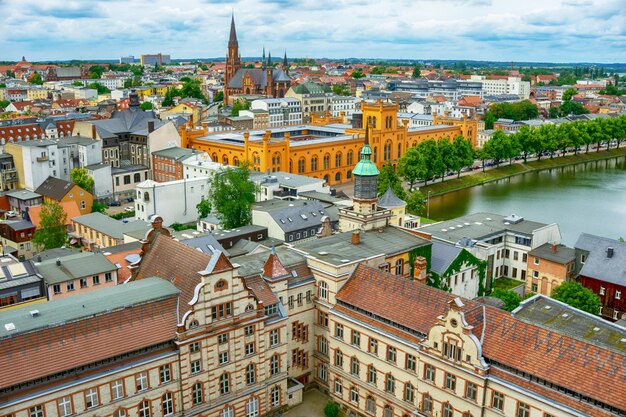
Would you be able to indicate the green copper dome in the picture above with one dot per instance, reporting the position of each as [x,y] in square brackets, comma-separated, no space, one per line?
[365,167]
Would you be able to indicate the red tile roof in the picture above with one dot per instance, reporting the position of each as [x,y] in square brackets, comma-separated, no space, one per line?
[546,354]
[30,130]
[261,290]
[273,267]
[69,207]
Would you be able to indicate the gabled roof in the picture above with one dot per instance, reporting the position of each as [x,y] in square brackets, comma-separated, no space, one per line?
[274,268]
[258,76]
[389,200]
[443,254]
[55,188]
[261,290]
[69,207]
[598,265]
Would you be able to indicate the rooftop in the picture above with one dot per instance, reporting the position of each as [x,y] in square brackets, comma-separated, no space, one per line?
[606,260]
[556,253]
[283,179]
[70,267]
[109,226]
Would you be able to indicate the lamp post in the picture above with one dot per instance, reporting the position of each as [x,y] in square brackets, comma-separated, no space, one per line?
[428,205]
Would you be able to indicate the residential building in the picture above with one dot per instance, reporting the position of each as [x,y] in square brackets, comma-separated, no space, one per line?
[174,201]
[16,238]
[549,265]
[18,133]
[315,99]
[96,230]
[154,59]
[451,89]
[267,80]
[70,208]
[329,152]
[126,178]
[415,119]
[281,111]
[456,270]
[167,163]
[21,200]
[492,86]
[191,110]
[344,105]
[8,173]
[502,241]
[293,220]
[102,179]
[55,190]
[20,283]
[75,274]
[285,185]
[201,165]
[37,160]
[600,264]
[83,151]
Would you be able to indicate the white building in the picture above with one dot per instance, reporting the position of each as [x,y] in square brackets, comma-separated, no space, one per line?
[419,107]
[199,166]
[344,104]
[510,85]
[83,151]
[39,159]
[284,184]
[174,201]
[282,111]
[416,120]
[102,179]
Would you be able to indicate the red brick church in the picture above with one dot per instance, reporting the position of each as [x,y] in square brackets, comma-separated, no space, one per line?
[267,80]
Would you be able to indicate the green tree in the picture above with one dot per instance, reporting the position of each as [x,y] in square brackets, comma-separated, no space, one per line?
[232,196]
[192,89]
[204,208]
[489,120]
[36,79]
[511,298]
[448,156]
[525,142]
[417,71]
[341,89]
[168,100]
[357,74]
[553,113]
[96,71]
[3,85]
[577,296]
[239,104]
[146,105]
[4,103]
[501,146]
[331,409]
[80,177]
[411,167]
[219,96]
[572,107]
[77,84]
[464,152]
[415,202]
[431,156]
[99,87]
[52,232]
[569,93]
[389,178]
[98,207]
[10,74]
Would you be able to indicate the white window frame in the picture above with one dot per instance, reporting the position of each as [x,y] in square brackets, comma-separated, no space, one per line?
[117,389]
[252,407]
[65,406]
[91,397]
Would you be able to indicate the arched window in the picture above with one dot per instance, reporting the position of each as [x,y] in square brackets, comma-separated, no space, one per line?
[349,174]
[252,407]
[196,394]
[400,267]
[323,290]
[370,405]
[235,161]
[214,157]
[275,397]
[314,163]
[146,196]
[399,150]
[371,374]
[167,404]
[144,409]
[349,158]
[225,159]
[338,358]
[388,411]
[338,160]
[291,165]
[427,404]
[338,177]
[301,166]
[327,161]
[375,154]
[326,178]
[390,383]
[387,151]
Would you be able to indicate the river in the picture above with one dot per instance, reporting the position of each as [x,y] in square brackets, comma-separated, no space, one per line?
[588,197]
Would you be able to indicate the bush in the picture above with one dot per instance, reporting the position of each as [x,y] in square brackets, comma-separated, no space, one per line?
[511,298]
[331,409]
[123,215]
[178,226]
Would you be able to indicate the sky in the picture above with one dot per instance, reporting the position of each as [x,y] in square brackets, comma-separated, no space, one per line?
[495,30]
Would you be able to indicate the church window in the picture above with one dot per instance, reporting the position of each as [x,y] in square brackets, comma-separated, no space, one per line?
[375,153]
[301,167]
[314,163]
[326,161]
[349,158]
[338,177]
[338,160]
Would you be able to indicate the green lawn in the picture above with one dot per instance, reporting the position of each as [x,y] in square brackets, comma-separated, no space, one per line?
[506,283]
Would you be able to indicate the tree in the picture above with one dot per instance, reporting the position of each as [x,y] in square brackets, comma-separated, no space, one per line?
[432,158]
[415,202]
[98,207]
[572,107]
[52,232]
[4,103]
[80,177]
[99,87]
[411,166]
[331,409]
[10,74]
[489,120]
[569,93]
[204,208]
[168,100]
[574,294]
[358,74]
[239,104]
[464,152]
[191,88]
[553,113]
[232,196]
[511,298]
[502,146]
[448,157]
[146,105]
[219,96]
[77,84]
[389,178]
[341,89]
[36,79]
[96,71]
[417,71]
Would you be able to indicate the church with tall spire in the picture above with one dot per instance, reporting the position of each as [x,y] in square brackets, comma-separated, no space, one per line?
[267,81]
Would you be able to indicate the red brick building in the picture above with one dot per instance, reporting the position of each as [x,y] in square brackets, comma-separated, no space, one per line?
[167,164]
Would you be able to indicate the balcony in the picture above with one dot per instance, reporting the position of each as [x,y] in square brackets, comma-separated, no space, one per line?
[43,158]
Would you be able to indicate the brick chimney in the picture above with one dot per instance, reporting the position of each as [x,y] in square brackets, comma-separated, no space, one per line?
[554,248]
[356,237]
[420,265]
[151,126]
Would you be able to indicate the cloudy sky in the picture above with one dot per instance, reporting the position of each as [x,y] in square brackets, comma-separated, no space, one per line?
[501,30]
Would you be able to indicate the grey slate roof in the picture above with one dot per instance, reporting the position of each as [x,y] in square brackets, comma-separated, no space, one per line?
[389,200]
[55,253]
[205,243]
[253,264]
[22,194]
[563,254]
[284,179]
[89,304]
[109,226]
[84,264]
[297,214]
[258,76]
[598,265]
[54,188]
[18,224]
[443,254]
[176,153]
[126,121]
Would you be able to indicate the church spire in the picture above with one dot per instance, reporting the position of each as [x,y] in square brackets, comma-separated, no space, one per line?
[263,58]
[233,33]
[269,59]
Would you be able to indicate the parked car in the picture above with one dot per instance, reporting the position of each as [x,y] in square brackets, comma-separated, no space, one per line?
[477,167]
[129,208]
[10,214]
[130,200]
[115,203]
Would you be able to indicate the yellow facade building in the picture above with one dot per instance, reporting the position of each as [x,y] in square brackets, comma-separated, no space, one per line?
[329,151]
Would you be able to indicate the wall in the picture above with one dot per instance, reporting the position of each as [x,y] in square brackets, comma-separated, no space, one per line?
[174,201]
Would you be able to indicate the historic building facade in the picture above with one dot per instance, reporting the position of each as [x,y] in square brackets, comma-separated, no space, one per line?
[267,80]
[321,151]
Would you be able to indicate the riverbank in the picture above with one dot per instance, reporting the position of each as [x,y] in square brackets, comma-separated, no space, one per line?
[517,168]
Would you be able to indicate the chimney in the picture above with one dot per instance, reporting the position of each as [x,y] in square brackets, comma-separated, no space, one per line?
[151,126]
[554,248]
[58,262]
[420,265]
[93,131]
[609,252]
[356,237]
